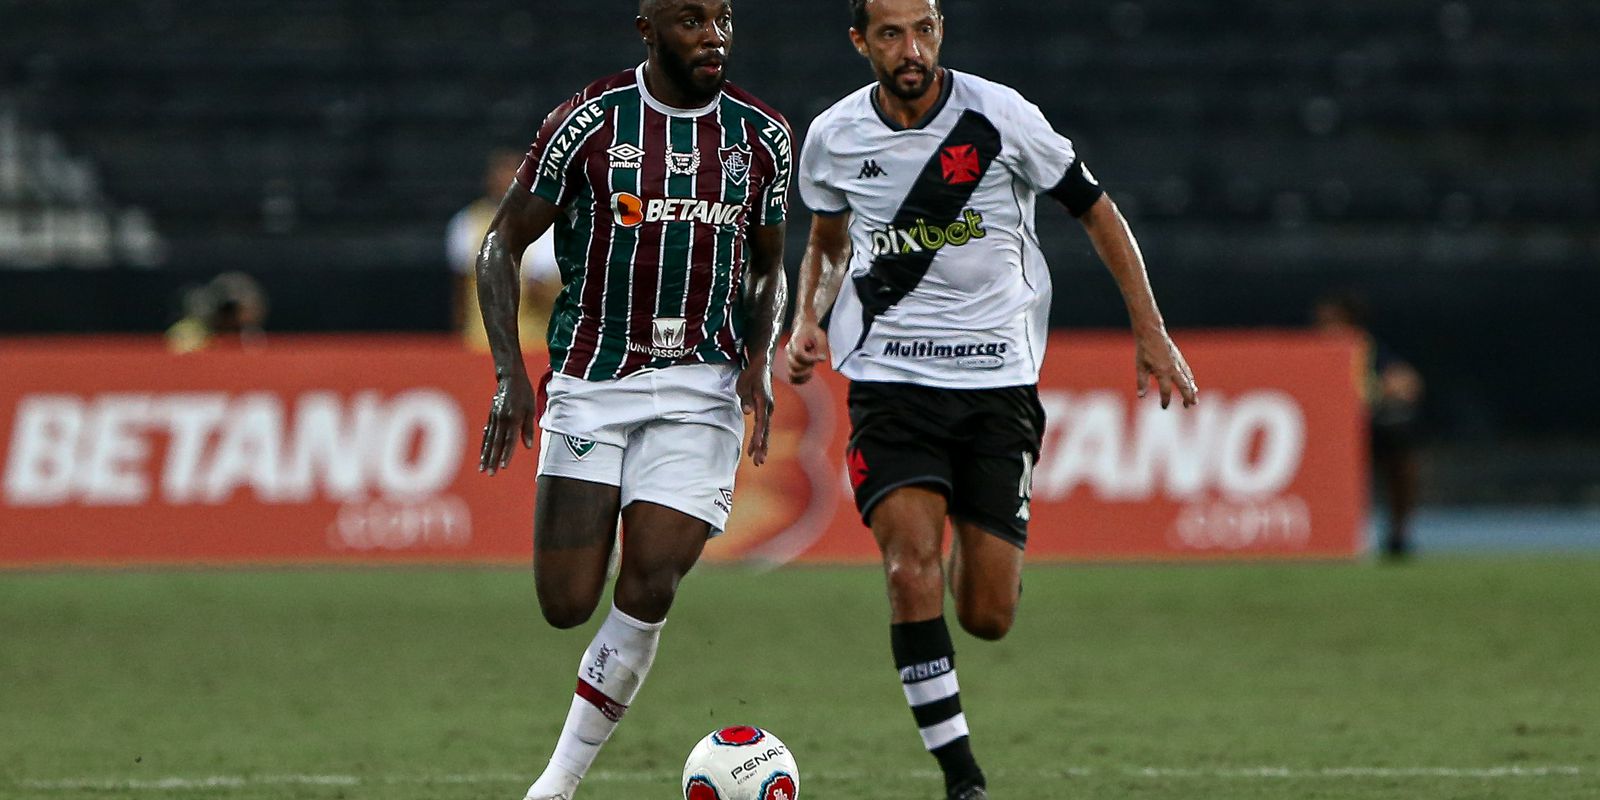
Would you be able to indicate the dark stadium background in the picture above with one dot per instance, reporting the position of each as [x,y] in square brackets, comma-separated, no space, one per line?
[1442,159]
[1439,157]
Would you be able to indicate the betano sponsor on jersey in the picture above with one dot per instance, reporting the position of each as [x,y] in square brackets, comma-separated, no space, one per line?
[923,237]
[631,211]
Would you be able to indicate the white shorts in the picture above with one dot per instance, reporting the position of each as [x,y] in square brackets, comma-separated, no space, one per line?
[670,436]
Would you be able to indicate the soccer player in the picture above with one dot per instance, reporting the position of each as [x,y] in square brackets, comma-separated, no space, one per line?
[922,185]
[667,187]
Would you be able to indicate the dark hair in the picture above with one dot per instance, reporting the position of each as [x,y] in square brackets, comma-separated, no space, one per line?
[858,13]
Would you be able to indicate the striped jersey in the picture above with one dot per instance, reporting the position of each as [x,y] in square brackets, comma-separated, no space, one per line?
[948,284]
[659,202]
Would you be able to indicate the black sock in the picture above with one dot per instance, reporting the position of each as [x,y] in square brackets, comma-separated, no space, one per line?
[927,662]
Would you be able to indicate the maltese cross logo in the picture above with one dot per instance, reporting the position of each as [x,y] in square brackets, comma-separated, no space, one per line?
[959,162]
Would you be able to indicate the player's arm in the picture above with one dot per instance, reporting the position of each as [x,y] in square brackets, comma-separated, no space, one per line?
[767,294]
[1155,355]
[822,272]
[521,219]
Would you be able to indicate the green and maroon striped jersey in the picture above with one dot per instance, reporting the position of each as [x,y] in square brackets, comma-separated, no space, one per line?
[659,202]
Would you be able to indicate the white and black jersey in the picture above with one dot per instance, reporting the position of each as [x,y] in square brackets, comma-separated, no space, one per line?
[947,284]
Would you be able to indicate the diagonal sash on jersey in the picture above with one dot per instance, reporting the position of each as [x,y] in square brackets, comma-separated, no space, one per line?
[935,200]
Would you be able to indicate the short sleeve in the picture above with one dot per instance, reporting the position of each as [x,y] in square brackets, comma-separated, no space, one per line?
[553,168]
[817,188]
[775,195]
[1041,156]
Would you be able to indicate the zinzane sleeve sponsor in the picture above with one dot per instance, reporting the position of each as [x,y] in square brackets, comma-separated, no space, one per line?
[553,168]
[1033,148]
[817,189]
[775,197]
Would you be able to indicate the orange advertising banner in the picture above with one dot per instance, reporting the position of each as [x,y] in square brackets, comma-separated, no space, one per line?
[305,451]
[1270,464]
[364,450]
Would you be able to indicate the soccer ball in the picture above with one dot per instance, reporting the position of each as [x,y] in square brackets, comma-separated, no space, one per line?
[741,763]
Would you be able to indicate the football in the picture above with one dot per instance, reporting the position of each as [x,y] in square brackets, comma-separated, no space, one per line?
[741,763]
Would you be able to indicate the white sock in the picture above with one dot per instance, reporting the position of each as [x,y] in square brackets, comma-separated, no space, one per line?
[609,676]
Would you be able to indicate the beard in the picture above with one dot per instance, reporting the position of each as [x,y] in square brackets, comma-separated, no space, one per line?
[921,81]
[681,72]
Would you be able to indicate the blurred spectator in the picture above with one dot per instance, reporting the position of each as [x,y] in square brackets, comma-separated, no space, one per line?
[541,278]
[1392,389]
[228,312]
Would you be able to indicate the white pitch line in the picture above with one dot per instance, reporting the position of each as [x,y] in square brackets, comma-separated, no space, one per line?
[170,784]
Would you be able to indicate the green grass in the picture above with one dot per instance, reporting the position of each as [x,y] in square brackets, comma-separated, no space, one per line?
[1228,682]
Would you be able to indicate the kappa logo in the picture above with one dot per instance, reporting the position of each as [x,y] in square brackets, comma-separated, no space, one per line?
[683,163]
[626,156]
[959,163]
[735,162]
[870,169]
[581,448]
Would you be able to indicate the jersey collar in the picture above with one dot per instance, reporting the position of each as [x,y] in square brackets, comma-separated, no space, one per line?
[927,119]
[651,101]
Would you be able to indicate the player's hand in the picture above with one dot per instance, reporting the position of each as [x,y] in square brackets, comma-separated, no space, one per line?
[808,346]
[755,397]
[510,413]
[1155,356]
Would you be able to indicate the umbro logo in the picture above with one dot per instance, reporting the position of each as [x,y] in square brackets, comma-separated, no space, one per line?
[870,169]
[625,156]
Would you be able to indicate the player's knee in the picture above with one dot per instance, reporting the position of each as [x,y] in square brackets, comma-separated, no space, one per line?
[564,605]
[564,613]
[987,622]
[647,595]
[914,574]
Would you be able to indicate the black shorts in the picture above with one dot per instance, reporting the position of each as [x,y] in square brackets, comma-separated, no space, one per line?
[977,446]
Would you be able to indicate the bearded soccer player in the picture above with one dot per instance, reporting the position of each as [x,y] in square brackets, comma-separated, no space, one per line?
[667,188]
[923,187]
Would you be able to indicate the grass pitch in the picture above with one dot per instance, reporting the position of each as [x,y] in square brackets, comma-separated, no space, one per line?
[1444,679]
